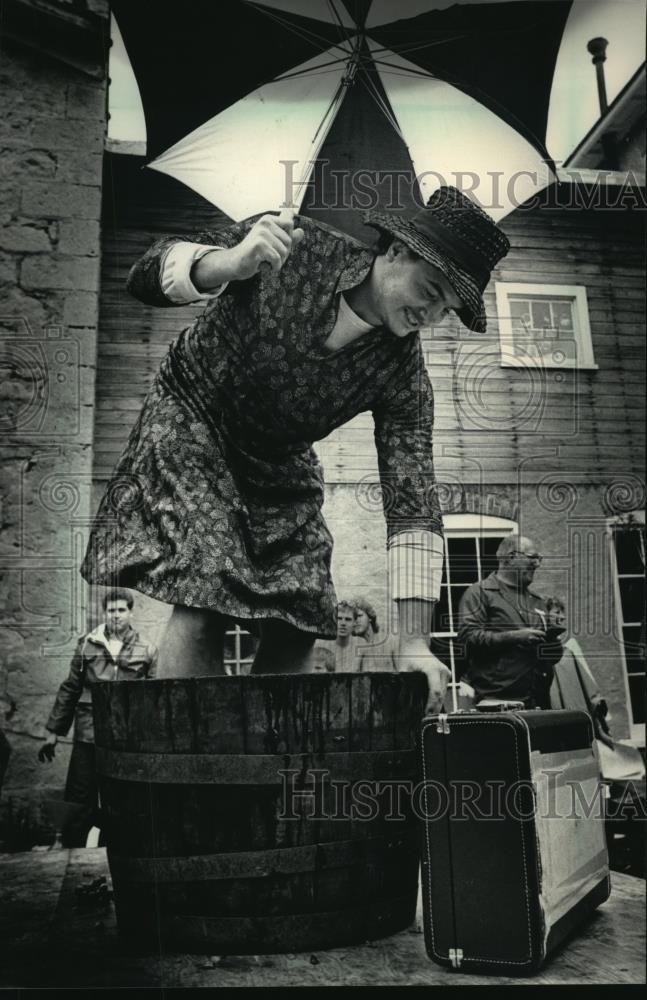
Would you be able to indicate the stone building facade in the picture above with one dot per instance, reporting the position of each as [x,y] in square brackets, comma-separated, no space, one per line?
[52,128]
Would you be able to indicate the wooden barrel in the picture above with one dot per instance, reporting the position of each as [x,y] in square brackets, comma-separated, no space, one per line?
[261,814]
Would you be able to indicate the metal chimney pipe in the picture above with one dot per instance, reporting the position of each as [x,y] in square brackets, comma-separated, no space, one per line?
[598,48]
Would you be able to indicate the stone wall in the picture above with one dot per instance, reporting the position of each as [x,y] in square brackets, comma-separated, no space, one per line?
[51,151]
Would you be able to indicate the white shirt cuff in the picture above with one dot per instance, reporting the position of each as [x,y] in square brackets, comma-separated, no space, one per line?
[415,561]
[175,273]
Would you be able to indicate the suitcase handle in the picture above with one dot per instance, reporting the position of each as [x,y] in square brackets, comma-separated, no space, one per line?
[494,705]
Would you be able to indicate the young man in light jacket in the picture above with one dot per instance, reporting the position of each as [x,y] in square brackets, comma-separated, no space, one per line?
[112,651]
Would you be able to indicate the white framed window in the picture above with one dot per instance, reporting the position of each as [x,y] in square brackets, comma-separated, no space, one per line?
[544,326]
[471,542]
[627,537]
[239,649]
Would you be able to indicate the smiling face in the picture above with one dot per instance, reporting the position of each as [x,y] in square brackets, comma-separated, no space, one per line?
[411,293]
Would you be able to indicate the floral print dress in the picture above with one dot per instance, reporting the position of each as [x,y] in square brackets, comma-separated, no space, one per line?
[216,501]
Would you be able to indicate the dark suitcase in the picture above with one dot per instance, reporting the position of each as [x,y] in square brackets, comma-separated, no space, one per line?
[514,852]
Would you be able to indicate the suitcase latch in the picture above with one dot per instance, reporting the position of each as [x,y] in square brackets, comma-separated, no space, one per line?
[442,725]
[456,957]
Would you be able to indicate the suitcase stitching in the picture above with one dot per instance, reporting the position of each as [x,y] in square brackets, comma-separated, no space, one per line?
[491,961]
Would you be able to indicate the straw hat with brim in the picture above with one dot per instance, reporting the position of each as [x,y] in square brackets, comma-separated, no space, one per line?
[456,236]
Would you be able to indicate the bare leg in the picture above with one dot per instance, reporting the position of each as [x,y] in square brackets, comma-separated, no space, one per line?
[192,645]
[283,649]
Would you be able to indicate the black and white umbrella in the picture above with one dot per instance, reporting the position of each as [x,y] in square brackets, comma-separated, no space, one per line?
[332,104]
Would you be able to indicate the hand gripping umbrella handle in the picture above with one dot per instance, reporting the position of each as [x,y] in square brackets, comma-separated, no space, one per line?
[286,217]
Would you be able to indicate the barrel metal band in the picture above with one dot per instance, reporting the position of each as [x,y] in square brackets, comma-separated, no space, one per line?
[254,769]
[278,932]
[262,864]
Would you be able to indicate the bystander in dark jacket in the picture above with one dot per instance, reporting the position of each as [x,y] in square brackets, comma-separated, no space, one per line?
[112,651]
[502,626]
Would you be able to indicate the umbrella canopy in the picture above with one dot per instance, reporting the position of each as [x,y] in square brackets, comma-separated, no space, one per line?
[338,104]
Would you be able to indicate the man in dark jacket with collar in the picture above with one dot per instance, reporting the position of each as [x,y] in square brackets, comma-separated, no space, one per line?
[112,651]
[503,630]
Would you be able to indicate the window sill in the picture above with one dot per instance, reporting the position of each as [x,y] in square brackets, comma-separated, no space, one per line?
[559,366]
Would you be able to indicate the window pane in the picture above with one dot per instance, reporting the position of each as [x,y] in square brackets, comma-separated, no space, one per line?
[635,662]
[460,659]
[628,549]
[457,593]
[441,621]
[631,636]
[563,317]
[248,644]
[632,598]
[441,648]
[637,693]
[462,560]
[489,561]
[634,650]
[518,307]
[230,646]
[520,315]
[540,312]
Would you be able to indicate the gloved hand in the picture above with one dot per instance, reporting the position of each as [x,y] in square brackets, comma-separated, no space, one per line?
[47,751]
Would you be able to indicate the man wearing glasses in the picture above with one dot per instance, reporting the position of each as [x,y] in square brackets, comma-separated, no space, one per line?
[502,626]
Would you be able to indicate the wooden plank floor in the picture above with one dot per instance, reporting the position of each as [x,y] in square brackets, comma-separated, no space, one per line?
[53,936]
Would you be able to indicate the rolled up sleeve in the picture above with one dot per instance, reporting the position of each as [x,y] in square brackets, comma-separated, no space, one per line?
[404,441]
[146,280]
[415,560]
[175,274]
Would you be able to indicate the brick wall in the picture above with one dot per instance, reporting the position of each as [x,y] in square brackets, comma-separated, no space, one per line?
[51,150]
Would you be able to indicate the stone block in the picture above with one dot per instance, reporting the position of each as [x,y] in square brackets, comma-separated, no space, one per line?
[79,168]
[43,98]
[73,273]
[8,269]
[24,239]
[41,384]
[33,83]
[23,163]
[57,200]
[36,163]
[16,304]
[79,237]
[16,396]
[51,505]
[15,128]
[86,102]
[80,309]
[44,594]
[10,195]
[64,134]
